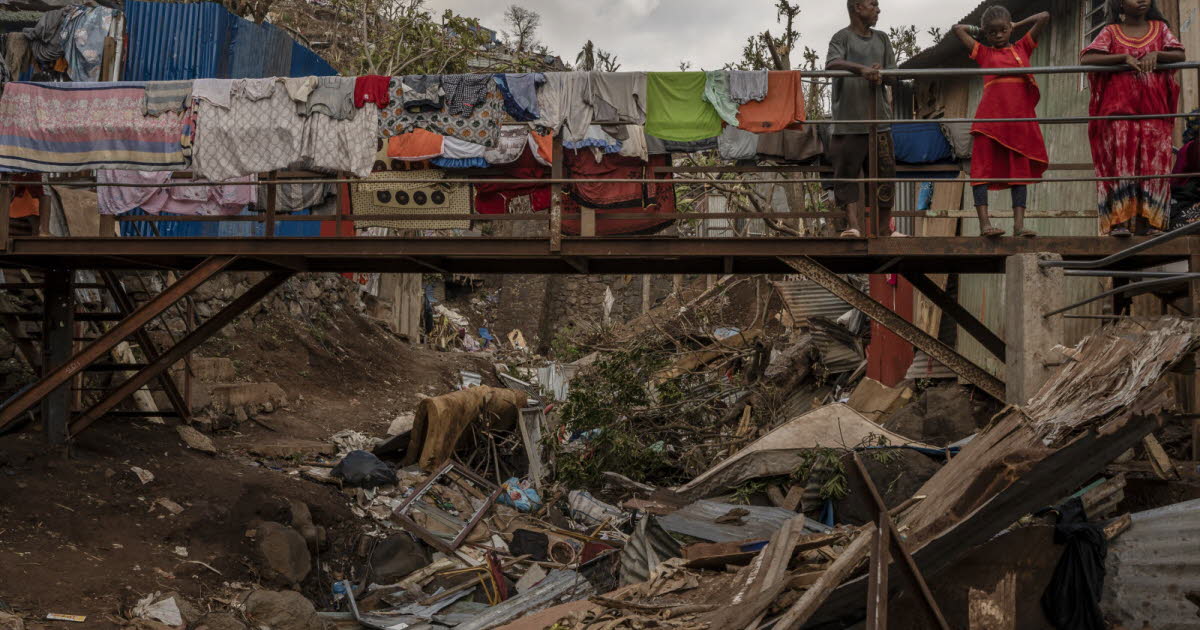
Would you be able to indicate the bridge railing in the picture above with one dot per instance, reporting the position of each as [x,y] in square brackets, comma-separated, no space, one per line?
[725,177]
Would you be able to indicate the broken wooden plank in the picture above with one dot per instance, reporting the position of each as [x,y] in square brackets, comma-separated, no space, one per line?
[1159,460]
[803,609]
[1088,414]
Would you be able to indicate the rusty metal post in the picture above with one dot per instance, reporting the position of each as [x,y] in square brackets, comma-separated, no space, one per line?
[5,214]
[556,172]
[873,162]
[44,215]
[272,200]
[188,327]
[1194,402]
[58,333]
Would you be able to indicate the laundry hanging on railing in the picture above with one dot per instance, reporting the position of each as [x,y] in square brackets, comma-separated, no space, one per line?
[71,127]
[244,126]
[227,200]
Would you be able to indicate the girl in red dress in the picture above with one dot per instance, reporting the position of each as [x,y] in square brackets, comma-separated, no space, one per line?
[1012,151]
[1136,36]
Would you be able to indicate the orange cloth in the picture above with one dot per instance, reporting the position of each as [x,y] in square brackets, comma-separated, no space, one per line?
[417,144]
[783,106]
[545,146]
[24,204]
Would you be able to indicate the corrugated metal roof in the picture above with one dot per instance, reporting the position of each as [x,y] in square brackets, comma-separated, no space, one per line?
[924,366]
[308,63]
[839,351]
[203,40]
[949,52]
[696,520]
[170,42]
[805,298]
[1150,568]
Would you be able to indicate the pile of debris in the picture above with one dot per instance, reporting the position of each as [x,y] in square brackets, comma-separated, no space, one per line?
[805,524]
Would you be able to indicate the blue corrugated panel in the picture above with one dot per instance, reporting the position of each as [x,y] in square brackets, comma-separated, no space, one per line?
[278,59]
[307,63]
[248,50]
[175,41]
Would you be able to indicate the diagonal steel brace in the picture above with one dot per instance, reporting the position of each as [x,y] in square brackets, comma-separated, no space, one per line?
[91,353]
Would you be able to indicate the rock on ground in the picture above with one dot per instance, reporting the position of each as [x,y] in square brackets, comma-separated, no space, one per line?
[196,440]
[11,622]
[283,553]
[219,621]
[395,557]
[282,610]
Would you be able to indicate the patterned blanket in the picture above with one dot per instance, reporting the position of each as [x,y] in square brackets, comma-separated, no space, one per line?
[69,127]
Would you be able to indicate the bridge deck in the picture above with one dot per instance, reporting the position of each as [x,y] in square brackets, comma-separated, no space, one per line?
[609,255]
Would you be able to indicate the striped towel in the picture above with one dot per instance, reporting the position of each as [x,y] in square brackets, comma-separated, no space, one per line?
[167,96]
[70,127]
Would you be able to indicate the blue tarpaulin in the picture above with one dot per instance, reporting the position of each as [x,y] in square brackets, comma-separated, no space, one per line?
[921,143]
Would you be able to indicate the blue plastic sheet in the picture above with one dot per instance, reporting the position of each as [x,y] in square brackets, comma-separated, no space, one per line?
[520,495]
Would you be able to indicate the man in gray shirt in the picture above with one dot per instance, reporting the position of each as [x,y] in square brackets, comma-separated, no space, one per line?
[861,49]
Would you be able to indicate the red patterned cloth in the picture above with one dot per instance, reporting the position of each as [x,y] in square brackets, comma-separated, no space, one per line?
[1133,147]
[372,88]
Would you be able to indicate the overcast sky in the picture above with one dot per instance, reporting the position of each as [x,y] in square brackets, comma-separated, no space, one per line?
[658,34]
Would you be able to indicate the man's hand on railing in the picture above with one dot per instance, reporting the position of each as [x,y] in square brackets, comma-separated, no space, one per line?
[871,73]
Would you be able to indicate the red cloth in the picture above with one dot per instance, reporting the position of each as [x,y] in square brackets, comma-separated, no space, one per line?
[1012,150]
[617,198]
[494,198]
[1133,147]
[372,88]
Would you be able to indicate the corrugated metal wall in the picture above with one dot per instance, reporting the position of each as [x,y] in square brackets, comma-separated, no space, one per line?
[1062,95]
[203,40]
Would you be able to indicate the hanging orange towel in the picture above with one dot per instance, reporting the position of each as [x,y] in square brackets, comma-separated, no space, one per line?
[545,146]
[417,144]
[783,106]
[24,204]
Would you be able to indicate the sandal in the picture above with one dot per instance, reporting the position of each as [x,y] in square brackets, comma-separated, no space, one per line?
[1153,232]
[898,234]
[1120,232]
[851,233]
[1026,233]
[992,232]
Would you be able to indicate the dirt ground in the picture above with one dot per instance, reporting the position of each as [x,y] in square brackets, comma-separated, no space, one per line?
[81,534]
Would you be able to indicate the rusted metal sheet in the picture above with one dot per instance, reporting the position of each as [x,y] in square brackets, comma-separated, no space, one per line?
[1152,566]
[925,367]
[805,298]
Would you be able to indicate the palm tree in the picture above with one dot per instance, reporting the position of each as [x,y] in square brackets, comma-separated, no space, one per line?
[586,59]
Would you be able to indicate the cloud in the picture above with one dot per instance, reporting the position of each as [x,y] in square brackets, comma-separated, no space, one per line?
[658,34]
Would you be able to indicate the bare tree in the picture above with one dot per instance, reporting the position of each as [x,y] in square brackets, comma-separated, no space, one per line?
[523,24]
[591,57]
[394,37]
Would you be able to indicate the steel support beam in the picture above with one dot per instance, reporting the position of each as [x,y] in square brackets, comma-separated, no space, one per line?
[905,329]
[181,349]
[126,305]
[109,340]
[58,333]
[887,540]
[958,314]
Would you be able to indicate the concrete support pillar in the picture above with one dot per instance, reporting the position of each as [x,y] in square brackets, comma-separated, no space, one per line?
[58,332]
[1029,291]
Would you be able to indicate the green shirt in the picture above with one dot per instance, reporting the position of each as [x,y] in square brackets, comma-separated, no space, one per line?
[676,109]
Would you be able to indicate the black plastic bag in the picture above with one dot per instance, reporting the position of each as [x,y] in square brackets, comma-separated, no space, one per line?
[363,470]
[1072,599]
